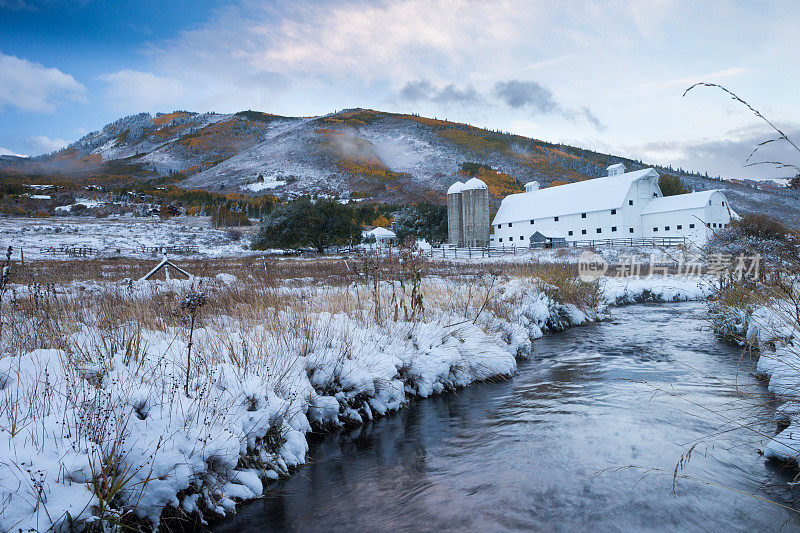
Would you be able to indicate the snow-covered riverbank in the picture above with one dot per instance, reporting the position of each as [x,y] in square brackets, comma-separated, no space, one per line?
[96,425]
[772,331]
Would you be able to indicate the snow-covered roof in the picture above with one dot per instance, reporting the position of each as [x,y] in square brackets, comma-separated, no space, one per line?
[615,167]
[455,188]
[581,197]
[678,202]
[382,232]
[474,183]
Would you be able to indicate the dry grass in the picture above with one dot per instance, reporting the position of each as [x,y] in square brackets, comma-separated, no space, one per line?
[560,282]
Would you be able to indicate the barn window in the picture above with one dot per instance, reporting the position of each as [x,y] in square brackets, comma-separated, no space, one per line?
[583,215]
[613,211]
[723,204]
[613,228]
[501,239]
[531,222]
[521,238]
[555,219]
[655,195]
[655,229]
[666,228]
[630,202]
[511,238]
[583,232]
[599,230]
[570,232]
[630,230]
[691,226]
[680,226]
[509,224]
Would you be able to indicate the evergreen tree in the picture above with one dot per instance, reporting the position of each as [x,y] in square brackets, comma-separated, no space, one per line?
[305,223]
[671,185]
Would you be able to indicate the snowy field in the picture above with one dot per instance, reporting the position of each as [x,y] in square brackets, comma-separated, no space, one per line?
[108,419]
[126,236]
[135,238]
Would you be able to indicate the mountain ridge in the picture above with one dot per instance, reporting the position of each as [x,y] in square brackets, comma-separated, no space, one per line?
[354,153]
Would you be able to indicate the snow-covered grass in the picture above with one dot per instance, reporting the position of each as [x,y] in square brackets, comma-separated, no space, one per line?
[96,427]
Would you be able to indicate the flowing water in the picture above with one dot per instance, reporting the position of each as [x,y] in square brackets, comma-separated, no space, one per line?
[586,436]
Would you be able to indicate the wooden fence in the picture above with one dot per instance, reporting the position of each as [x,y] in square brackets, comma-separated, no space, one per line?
[70,251]
[178,250]
[654,242]
[452,252]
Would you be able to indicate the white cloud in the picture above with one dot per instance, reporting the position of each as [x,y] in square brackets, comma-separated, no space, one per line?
[42,144]
[725,155]
[248,54]
[31,87]
[6,151]
[143,91]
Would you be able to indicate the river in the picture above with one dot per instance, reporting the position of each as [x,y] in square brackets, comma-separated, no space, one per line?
[586,436]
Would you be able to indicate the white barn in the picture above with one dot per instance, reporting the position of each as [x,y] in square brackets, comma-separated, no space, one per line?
[622,205]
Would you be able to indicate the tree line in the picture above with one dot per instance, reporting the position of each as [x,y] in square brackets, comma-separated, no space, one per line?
[325,222]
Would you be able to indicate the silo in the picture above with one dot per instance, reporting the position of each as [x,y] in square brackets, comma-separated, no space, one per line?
[454,214]
[475,213]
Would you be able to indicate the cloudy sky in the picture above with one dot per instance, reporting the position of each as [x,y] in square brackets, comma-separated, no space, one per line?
[606,75]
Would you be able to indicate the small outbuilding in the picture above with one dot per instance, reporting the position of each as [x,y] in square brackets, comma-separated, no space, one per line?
[383,236]
[552,239]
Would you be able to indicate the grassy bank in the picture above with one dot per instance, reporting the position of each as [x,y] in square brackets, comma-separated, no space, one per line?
[129,404]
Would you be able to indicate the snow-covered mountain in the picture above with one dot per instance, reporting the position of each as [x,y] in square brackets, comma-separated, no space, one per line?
[355,153]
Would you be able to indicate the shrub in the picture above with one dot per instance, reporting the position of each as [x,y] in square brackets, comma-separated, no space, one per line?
[757,234]
[761,227]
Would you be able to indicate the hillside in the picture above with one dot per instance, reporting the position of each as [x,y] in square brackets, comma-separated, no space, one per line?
[358,153]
